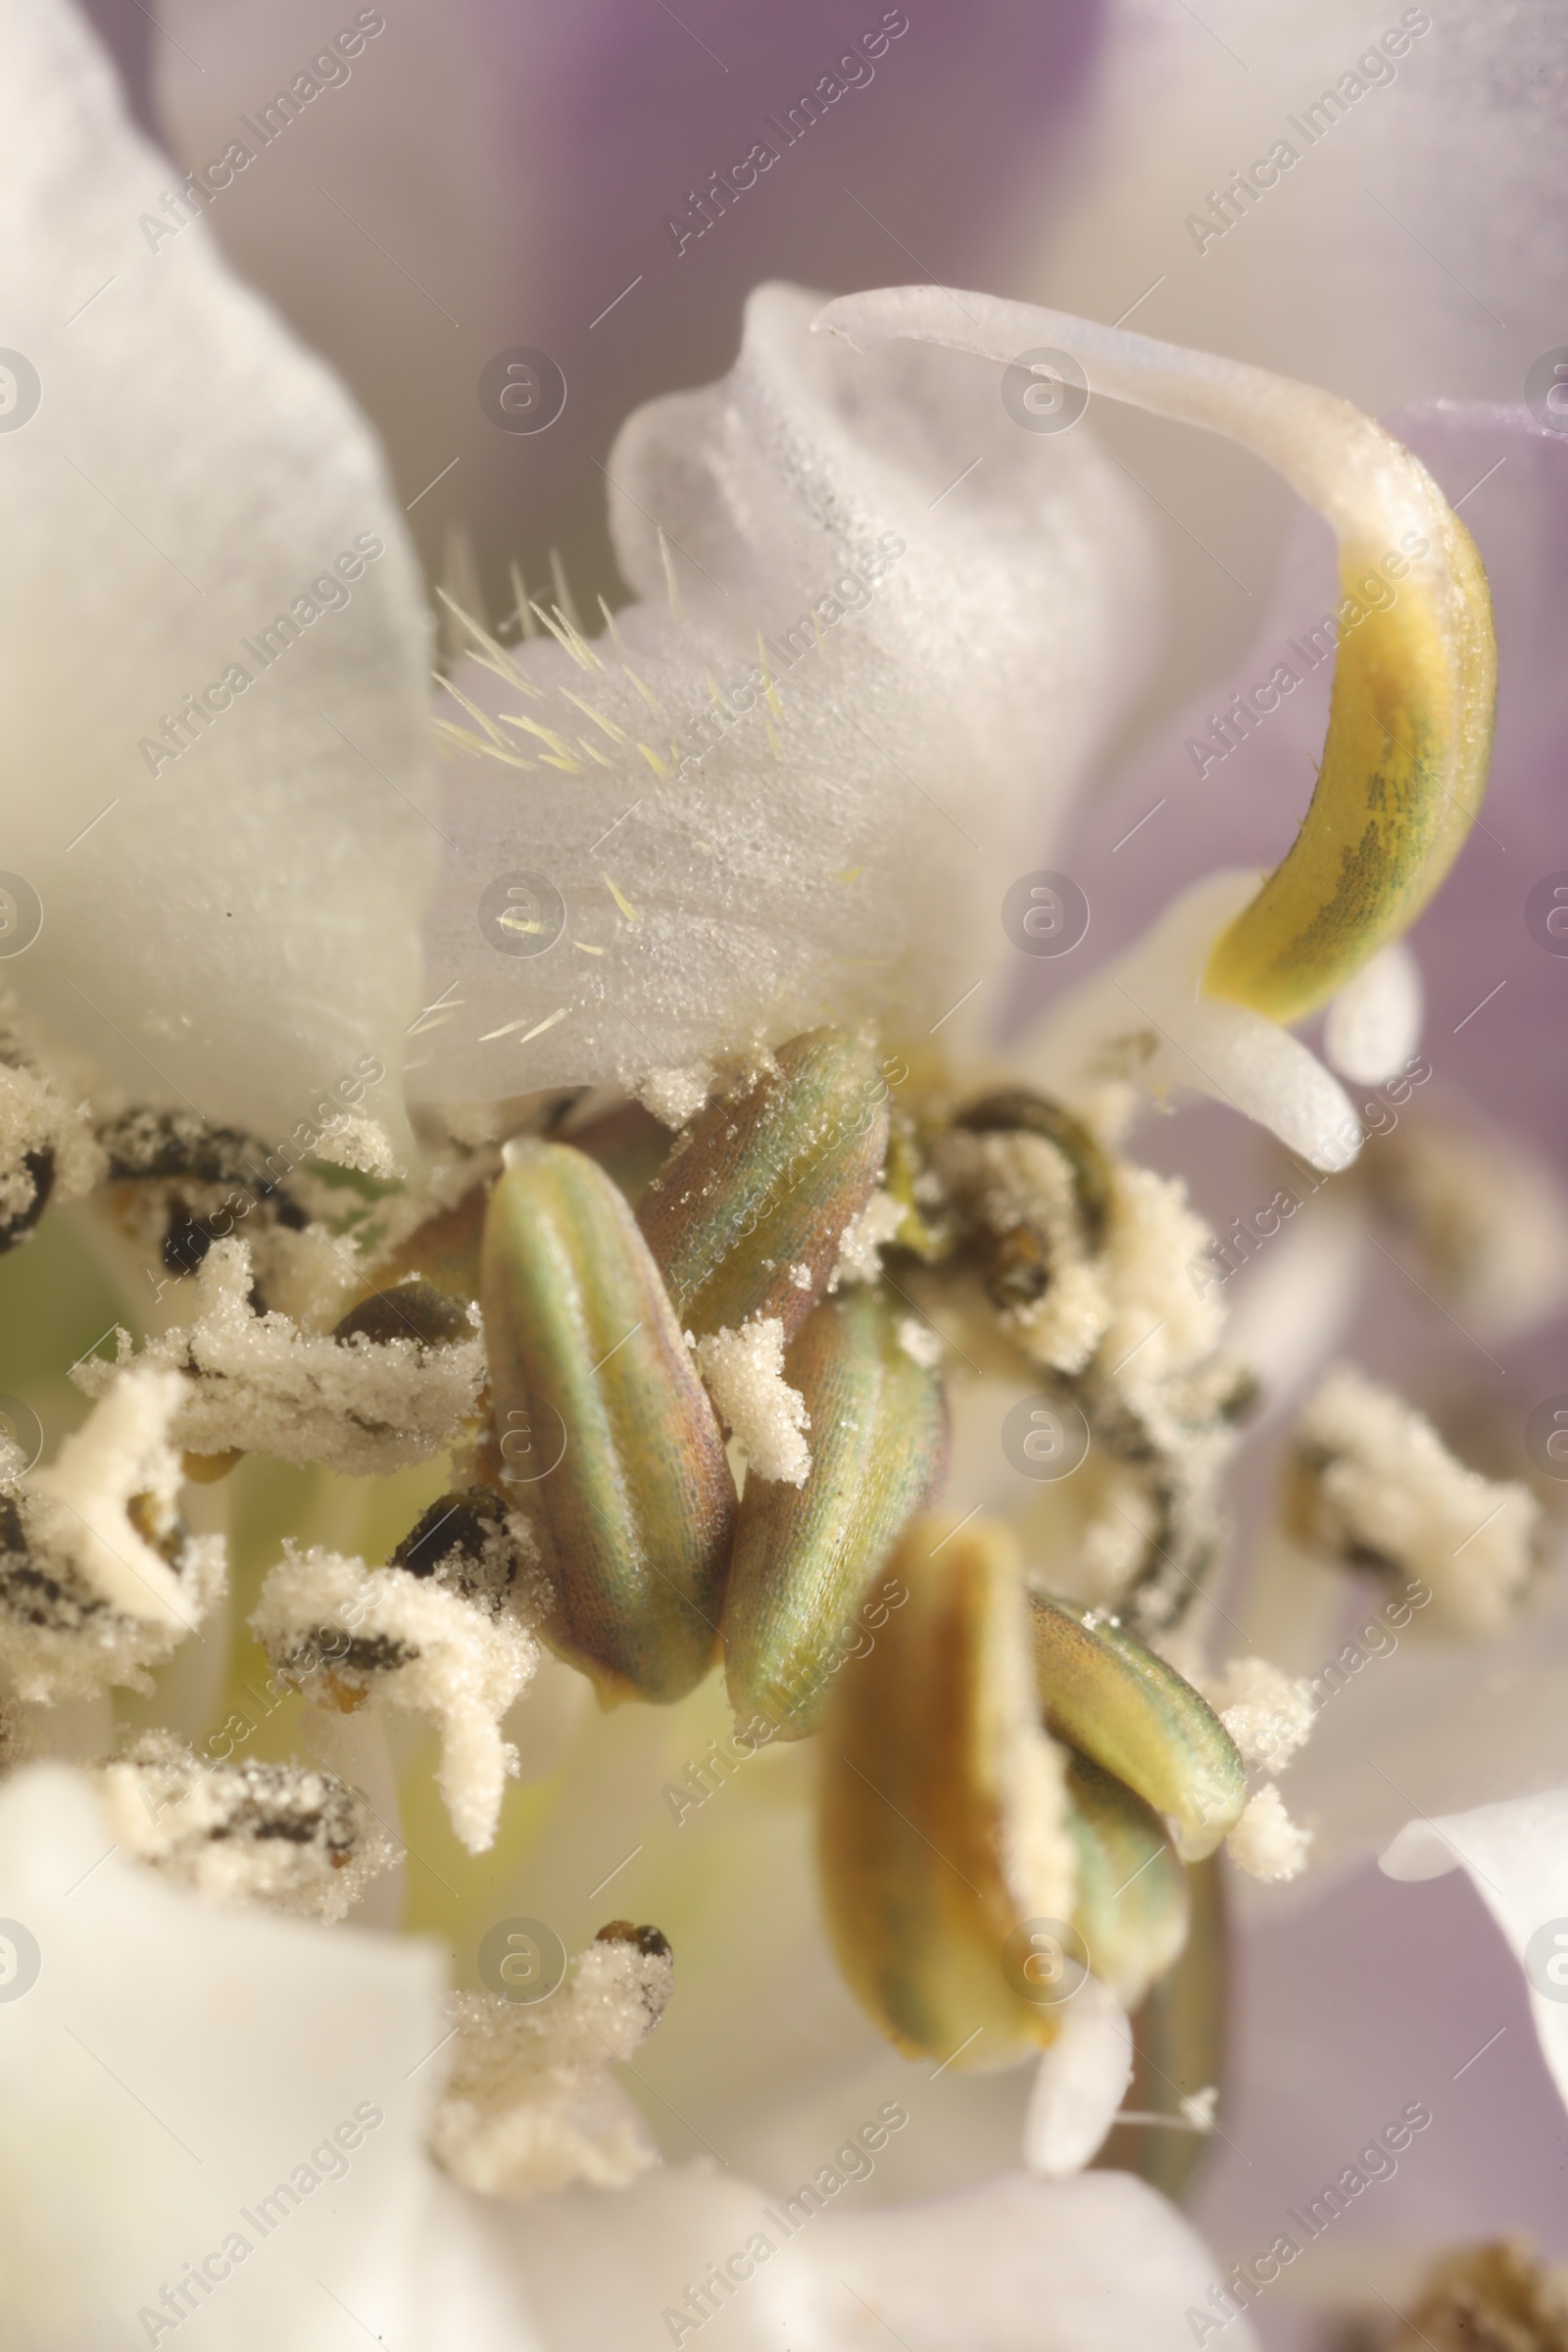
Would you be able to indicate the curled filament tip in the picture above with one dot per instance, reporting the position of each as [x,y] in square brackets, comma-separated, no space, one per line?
[1409,735]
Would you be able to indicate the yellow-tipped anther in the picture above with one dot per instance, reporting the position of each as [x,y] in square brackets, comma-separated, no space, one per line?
[1405,766]
[1404,762]
[948,1867]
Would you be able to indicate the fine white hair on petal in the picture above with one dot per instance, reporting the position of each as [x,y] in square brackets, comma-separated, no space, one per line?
[1374,1024]
[230,916]
[797,779]
[1079,2083]
[530,2104]
[419,1647]
[1516,1857]
[1143,1017]
[260,1382]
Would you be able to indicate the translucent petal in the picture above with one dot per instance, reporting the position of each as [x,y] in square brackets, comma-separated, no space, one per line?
[1516,1856]
[173,2063]
[1143,1017]
[513,165]
[1374,1024]
[1079,2083]
[881,637]
[1113,2264]
[237,929]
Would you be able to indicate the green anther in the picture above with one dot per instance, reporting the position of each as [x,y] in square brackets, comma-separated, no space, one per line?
[804,1592]
[609,1444]
[1126,1709]
[943,1835]
[1133,1900]
[746,1217]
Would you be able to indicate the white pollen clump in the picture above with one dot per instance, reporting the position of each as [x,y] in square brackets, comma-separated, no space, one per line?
[289,1836]
[922,1343]
[530,2104]
[98,1579]
[677,1095]
[37,1124]
[1117,1541]
[262,1384]
[1373,1481]
[1268,1713]
[801,1276]
[361,1143]
[1156,1321]
[860,1258]
[344,1634]
[745,1374]
[1266,1842]
[1012,1180]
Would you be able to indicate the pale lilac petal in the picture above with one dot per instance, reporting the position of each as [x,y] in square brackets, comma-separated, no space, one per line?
[1516,1858]
[506,172]
[1350,2005]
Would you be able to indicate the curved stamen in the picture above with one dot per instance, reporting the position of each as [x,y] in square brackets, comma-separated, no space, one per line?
[1409,736]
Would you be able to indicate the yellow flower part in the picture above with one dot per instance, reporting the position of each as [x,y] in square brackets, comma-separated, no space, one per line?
[1409,738]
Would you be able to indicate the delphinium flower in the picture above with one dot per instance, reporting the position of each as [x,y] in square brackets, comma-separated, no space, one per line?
[660,1263]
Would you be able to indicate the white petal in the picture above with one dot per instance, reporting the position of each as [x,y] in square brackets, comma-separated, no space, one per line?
[237,930]
[1143,1017]
[1096,2264]
[1374,1024]
[1516,1856]
[1114,2266]
[1385,298]
[850,854]
[172,2064]
[1079,2083]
